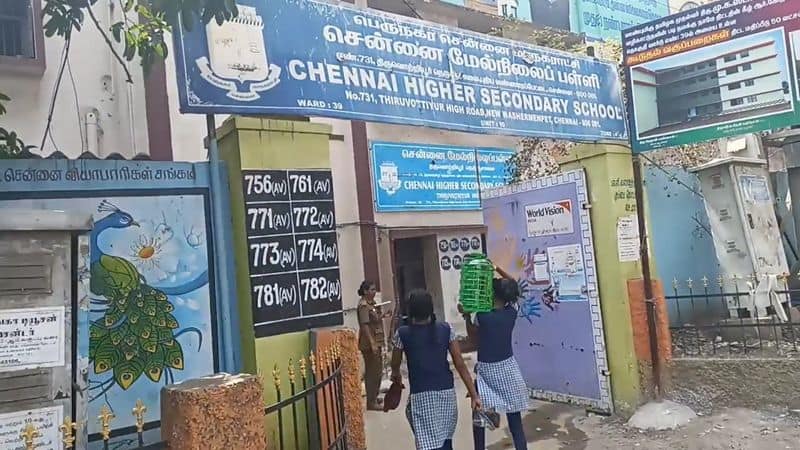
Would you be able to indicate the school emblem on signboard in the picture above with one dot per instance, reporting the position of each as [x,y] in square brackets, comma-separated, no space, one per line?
[390,178]
[237,59]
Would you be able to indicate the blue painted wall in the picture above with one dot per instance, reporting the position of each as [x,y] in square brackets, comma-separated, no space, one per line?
[152,218]
[682,248]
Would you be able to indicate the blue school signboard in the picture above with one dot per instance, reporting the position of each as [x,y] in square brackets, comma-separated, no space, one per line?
[312,58]
[412,177]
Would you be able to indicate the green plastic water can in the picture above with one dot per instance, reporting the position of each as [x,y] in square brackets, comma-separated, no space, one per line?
[476,293]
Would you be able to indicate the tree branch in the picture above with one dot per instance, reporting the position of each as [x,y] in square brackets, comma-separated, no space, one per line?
[109,43]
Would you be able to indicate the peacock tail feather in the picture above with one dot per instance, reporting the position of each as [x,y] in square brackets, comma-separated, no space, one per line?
[136,334]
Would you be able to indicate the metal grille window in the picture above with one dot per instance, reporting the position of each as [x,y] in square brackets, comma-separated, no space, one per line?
[16,29]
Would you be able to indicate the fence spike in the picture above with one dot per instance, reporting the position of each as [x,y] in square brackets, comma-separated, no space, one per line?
[328,357]
[675,283]
[690,283]
[720,280]
[29,435]
[303,368]
[105,418]
[68,429]
[276,375]
[313,362]
[138,412]
[705,281]
[290,371]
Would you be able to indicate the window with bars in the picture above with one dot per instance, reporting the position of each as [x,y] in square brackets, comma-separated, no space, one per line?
[16,29]
[21,36]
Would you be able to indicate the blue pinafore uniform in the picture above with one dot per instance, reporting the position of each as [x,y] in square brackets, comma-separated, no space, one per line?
[499,378]
[431,409]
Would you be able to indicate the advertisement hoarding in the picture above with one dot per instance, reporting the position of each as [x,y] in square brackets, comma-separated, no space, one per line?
[722,69]
[365,65]
[416,177]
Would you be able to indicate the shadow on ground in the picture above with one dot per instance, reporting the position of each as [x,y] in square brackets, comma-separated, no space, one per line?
[549,422]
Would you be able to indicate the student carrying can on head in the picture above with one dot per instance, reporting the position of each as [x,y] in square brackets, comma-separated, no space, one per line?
[499,378]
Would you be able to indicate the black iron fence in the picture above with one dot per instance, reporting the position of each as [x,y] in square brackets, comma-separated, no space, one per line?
[733,318]
[31,436]
[311,415]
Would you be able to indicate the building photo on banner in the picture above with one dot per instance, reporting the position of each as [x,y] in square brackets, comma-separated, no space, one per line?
[715,71]
[417,177]
[367,65]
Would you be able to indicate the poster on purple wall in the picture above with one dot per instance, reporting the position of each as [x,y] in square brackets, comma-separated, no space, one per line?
[540,232]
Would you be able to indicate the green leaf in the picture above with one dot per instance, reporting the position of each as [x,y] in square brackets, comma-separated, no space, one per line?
[160,50]
[116,31]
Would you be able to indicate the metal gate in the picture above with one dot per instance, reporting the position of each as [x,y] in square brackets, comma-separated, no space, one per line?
[36,325]
[540,232]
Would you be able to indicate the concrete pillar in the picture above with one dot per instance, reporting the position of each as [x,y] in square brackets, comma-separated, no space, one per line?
[609,175]
[249,143]
[218,412]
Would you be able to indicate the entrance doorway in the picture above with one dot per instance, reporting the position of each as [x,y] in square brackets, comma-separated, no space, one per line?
[409,267]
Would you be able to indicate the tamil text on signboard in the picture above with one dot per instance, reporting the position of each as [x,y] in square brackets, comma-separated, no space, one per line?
[32,338]
[293,253]
[427,178]
[366,65]
[605,19]
[723,69]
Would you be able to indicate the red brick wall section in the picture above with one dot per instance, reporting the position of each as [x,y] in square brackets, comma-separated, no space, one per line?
[641,334]
[351,382]
[641,330]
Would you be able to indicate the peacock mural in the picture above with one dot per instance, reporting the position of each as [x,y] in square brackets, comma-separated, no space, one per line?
[147,283]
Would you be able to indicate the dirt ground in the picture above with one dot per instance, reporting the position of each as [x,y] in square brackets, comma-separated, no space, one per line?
[561,427]
[565,428]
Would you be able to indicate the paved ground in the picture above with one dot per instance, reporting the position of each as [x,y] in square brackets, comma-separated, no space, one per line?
[561,427]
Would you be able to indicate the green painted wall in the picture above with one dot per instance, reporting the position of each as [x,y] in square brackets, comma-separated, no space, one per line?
[609,174]
[276,351]
[255,143]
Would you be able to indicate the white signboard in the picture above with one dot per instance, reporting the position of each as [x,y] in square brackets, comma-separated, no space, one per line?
[45,420]
[628,248]
[31,338]
[453,248]
[548,219]
[568,272]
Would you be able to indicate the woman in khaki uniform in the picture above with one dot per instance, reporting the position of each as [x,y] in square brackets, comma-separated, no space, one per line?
[370,342]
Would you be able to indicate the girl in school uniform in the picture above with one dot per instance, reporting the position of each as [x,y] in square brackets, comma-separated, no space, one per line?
[431,409]
[500,384]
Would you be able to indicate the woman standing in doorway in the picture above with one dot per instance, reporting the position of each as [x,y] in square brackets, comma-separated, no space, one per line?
[499,378]
[370,342]
[432,406]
